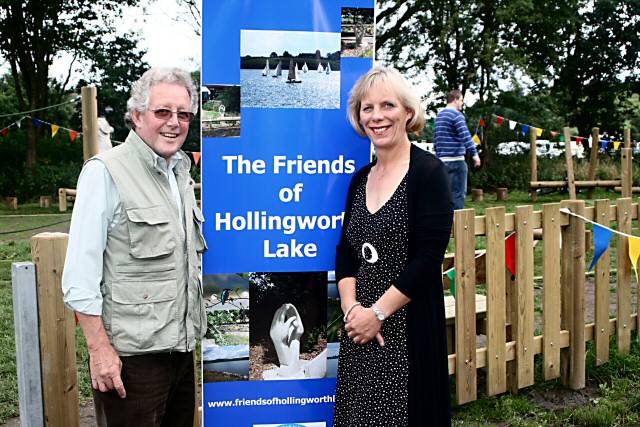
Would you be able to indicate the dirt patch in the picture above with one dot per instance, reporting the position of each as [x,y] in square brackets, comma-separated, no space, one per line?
[562,398]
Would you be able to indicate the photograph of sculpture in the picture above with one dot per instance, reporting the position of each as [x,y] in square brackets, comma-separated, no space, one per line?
[290,69]
[220,111]
[358,32]
[288,326]
[225,347]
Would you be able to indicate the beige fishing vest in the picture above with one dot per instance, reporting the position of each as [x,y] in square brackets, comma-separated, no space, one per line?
[151,285]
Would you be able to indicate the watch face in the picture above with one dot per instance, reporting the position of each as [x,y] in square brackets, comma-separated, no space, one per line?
[380,316]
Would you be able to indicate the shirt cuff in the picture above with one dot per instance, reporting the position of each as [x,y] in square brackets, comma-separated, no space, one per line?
[83,301]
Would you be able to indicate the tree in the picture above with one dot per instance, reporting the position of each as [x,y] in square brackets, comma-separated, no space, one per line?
[35,32]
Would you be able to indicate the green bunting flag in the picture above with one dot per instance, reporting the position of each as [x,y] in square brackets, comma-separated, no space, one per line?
[451,274]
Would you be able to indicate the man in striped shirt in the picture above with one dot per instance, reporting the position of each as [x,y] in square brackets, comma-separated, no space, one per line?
[452,141]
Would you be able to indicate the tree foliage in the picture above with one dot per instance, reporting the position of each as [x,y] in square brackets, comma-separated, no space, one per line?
[35,33]
[582,55]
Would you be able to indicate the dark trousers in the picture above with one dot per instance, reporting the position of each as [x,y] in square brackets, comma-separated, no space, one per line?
[160,392]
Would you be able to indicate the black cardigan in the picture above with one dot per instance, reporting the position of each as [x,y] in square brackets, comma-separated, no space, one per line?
[430,220]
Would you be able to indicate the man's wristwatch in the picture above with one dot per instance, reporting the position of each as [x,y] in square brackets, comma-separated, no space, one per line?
[380,315]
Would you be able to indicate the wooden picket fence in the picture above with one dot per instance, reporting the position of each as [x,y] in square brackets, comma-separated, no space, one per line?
[511,342]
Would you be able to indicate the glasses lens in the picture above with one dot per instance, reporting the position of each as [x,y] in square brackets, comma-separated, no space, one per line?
[162,113]
[185,116]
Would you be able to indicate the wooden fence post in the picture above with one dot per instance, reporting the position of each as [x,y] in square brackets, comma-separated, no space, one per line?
[624,278]
[62,199]
[533,138]
[524,321]
[57,333]
[23,276]
[89,122]
[573,258]
[593,164]
[465,267]
[627,137]
[568,153]
[551,290]
[496,300]
[602,215]
[626,177]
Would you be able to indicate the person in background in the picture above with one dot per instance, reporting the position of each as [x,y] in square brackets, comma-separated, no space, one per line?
[132,271]
[392,367]
[452,141]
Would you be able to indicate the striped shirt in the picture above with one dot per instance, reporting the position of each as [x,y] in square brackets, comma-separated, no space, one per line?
[452,137]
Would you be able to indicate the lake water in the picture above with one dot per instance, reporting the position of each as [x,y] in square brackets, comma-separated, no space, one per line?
[317,90]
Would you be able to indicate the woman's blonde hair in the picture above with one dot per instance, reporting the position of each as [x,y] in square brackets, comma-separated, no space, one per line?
[398,85]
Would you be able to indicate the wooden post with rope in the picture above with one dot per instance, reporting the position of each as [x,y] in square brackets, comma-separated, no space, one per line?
[89,122]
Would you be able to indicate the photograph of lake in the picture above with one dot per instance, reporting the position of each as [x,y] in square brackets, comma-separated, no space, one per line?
[290,69]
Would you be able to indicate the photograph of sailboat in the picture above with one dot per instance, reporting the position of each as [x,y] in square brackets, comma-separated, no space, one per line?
[275,69]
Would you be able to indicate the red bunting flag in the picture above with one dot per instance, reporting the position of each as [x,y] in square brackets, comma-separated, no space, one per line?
[482,123]
[73,135]
[579,140]
[499,120]
[510,253]
[4,132]
[196,156]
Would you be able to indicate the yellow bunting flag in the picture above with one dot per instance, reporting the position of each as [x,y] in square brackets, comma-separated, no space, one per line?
[616,145]
[54,130]
[476,139]
[634,252]
[539,131]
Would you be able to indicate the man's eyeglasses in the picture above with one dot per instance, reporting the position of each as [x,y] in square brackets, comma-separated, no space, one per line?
[165,114]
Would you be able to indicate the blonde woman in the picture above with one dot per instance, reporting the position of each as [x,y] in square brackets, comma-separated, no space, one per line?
[393,361]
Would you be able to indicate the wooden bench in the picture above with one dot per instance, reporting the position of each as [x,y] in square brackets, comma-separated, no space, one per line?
[450,318]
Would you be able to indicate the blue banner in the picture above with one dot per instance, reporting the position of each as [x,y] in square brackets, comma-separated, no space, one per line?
[275,191]
[278,153]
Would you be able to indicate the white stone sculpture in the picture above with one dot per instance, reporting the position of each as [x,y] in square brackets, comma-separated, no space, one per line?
[286,330]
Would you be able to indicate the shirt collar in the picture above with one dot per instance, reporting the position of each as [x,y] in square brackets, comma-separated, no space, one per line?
[152,159]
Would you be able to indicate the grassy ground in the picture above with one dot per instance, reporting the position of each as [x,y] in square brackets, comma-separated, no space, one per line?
[612,396]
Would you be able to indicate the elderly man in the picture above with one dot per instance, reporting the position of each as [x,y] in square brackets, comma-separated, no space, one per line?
[452,141]
[132,272]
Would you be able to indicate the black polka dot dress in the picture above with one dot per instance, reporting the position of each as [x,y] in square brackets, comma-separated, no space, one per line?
[372,384]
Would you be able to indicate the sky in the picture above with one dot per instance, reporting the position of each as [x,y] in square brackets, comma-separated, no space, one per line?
[262,43]
[168,43]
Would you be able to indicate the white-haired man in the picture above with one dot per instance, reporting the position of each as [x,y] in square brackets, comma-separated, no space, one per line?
[132,272]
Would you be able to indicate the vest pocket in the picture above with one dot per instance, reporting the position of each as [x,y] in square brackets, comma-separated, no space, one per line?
[143,314]
[198,219]
[150,232]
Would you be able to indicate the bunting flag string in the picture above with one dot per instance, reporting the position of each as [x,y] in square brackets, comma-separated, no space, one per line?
[601,238]
[37,123]
[525,128]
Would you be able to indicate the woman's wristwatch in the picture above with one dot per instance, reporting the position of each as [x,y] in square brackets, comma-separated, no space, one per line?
[380,315]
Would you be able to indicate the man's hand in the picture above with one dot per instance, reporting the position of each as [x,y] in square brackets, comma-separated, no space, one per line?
[104,362]
[476,161]
[105,367]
